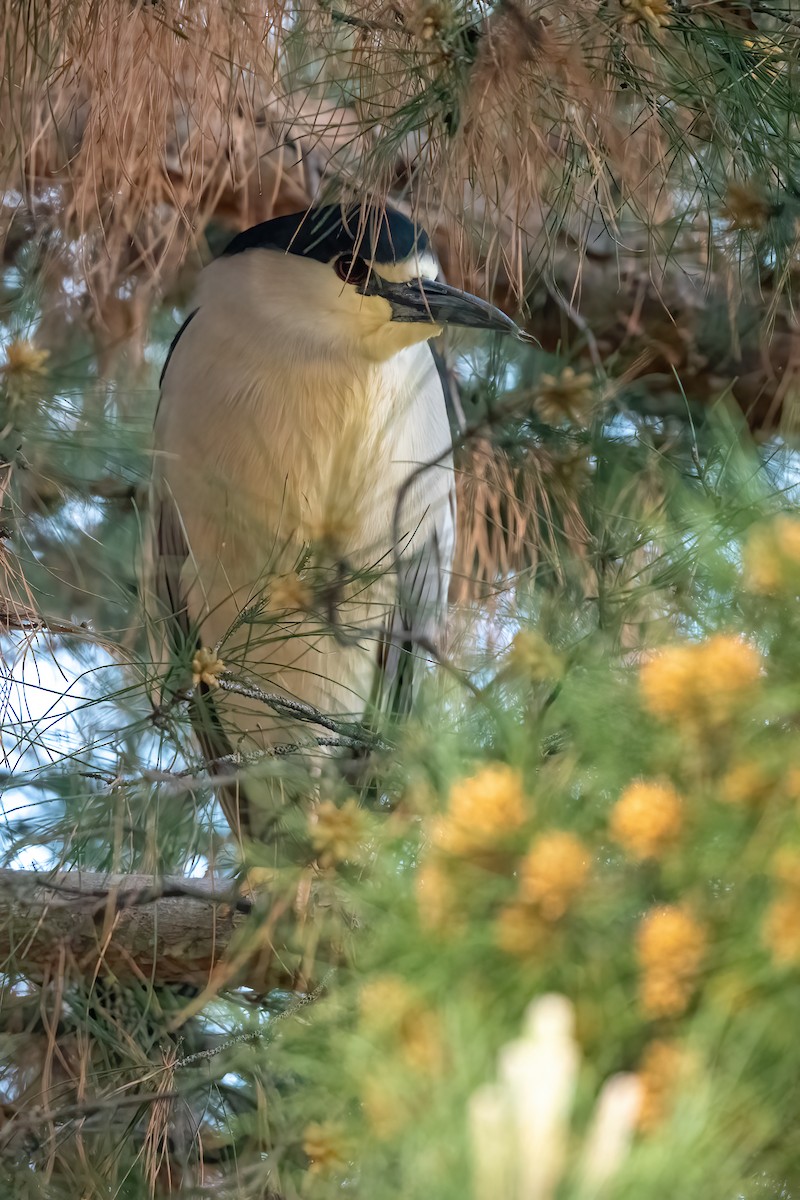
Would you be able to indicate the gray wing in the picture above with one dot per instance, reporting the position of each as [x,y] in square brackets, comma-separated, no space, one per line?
[415,629]
[417,623]
[452,395]
[170,548]
[169,556]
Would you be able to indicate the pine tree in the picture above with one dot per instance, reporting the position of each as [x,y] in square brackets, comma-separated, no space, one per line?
[548,945]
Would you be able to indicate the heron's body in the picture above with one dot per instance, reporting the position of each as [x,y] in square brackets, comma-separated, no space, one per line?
[298,406]
[279,463]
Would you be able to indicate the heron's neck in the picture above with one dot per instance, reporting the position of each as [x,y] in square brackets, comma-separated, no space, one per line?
[301,312]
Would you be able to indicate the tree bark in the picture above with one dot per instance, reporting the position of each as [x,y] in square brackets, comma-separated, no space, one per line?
[166,930]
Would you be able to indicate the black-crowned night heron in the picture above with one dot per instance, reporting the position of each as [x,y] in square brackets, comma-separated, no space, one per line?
[298,401]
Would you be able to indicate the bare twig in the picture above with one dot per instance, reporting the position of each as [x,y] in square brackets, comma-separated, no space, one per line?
[26,620]
[349,733]
[256,1035]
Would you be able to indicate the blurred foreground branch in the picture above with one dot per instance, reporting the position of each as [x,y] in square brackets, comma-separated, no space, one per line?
[24,619]
[165,930]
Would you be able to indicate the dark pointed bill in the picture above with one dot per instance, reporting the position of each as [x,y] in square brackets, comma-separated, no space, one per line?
[429,300]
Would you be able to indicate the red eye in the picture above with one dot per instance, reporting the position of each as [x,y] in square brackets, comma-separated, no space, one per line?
[350,269]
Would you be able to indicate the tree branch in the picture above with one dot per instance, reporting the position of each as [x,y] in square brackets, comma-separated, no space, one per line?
[350,732]
[166,930]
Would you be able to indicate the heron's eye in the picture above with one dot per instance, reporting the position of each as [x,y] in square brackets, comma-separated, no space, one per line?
[351,269]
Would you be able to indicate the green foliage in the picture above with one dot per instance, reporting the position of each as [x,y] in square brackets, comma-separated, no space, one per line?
[424,937]
[598,796]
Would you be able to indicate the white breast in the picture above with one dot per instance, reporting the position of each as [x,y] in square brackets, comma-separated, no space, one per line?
[270,439]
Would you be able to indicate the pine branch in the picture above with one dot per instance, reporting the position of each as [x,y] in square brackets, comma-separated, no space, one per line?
[350,733]
[166,930]
[25,619]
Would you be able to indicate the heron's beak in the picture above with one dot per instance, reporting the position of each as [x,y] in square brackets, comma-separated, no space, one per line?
[440,304]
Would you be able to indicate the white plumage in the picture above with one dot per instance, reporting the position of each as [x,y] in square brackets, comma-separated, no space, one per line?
[292,413]
[299,404]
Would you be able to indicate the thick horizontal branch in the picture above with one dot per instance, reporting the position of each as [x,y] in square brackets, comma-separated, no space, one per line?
[165,930]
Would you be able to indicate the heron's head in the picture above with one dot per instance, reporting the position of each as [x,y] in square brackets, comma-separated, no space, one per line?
[367,280]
